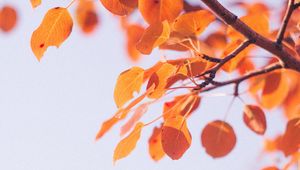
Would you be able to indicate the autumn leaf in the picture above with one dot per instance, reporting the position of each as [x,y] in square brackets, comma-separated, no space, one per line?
[155,146]
[218,138]
[275,89]
[175,137]
[134,33]
[254,118]
[155,35]
[53,31]
[129,81]
[155,11]
[119,7]
[126,145]
[270,168]
[159,79]
[290,141]
[35,3]
[86,16]
[193,23]
[8,18]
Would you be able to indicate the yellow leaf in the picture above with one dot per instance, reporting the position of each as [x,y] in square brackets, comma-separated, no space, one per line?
[126,145]
[35,3]
[193,23]
[155,35]
[128,82]
[53,31]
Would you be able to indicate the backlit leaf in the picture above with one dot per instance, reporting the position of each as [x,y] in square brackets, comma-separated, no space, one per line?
[129,81]
[290,141]
[35,3]
[159,79]
[8,18]
[176,138]
[155,147]
[86,16]
[254,118]
[193,23]
[134,34]
[53,31]
[155,11]
[270,168]
[155,35]
[275,90]
[126,145]
[218,138]
[119,7]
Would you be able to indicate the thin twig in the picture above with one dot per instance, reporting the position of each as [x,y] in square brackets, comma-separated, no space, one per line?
[286,19]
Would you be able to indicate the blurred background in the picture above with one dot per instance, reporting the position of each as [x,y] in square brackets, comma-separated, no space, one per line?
[50,111]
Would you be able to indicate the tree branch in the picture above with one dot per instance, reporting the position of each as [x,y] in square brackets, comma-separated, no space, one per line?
[239,80]
[232,20]
[286,19]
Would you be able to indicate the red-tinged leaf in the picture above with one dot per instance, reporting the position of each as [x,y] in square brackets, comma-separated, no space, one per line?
[54,30]
[126,145]
[106,126]
[275,90]
[193,23]
[254,118]
[129,81]
[35,3]
[290,141]
[155,146]
[176,138]
[217,40]
[86,16]
[159,78]
[139,112]
[119,7]
[8,18]
[270,168]
[155,35]
[155,11]
[218,138]
[151,70]
[134,34]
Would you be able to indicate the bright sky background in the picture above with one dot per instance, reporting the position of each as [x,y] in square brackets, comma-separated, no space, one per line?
[50,111]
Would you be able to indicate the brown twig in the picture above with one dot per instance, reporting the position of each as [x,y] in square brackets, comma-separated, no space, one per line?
[239,80]
[261,41]
[286,19]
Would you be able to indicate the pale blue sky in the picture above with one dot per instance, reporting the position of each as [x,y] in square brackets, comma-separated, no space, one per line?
[50,111]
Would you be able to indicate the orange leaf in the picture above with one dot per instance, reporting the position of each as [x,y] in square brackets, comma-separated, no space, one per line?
[155,35]
[159,78]
[134,34]
[258,22]
[270,168]
[175,137]
[126,145]
[107,125]
[290,141]
[35,3]
[254,118]
[86,16]
[218,138]
[53,31]
[155,147]
[8,18]
[275,90]
[139,112]
[155,11]
[119,7]
[193,23]
[129,81]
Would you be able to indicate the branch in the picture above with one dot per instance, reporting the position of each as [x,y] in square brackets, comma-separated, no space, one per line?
[212,72]
[285,22]
[232,20]
[239,80]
